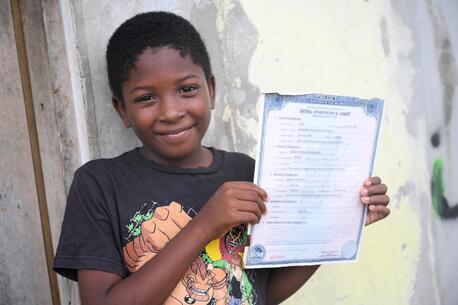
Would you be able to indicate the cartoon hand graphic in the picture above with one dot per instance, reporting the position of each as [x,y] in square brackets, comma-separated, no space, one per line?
[167,221]
[165,224]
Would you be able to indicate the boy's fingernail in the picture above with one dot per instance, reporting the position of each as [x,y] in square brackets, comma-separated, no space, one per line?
[364,192]
[365,199]
[367,182]
[372,207]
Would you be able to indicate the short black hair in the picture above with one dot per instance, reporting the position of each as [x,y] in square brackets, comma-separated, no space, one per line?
[152,30]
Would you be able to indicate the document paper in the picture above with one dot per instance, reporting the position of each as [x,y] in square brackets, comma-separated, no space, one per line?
[314,152]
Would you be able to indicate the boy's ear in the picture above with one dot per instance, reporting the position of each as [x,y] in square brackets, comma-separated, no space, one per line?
[212,89]
[121,110]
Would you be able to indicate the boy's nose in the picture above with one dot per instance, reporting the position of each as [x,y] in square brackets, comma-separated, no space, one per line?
[171,109]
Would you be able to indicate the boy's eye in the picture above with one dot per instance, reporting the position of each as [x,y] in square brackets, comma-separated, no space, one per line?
[145,99]
[188,89]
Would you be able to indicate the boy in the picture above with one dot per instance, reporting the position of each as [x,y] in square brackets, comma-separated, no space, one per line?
[165,223]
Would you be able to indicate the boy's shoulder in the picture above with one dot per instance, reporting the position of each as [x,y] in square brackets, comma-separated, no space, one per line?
[236,156]
[103,165]
[238,165]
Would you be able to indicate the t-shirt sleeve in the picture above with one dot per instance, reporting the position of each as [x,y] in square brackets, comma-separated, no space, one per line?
[87,239]
[245,165]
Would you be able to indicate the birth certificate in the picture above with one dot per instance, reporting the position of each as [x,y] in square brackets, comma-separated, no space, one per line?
[314,152]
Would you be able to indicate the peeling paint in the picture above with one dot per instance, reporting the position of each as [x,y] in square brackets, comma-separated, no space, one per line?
[238,39]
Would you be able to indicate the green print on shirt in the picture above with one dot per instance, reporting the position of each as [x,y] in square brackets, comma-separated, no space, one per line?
[134,226]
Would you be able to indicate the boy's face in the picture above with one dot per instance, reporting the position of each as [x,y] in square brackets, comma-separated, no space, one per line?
[168,103]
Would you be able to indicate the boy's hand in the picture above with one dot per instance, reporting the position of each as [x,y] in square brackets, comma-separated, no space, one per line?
[232,204]
[373,193]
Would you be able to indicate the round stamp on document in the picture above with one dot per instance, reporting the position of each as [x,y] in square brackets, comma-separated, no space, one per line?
[371,107]
[349,249]
[257,253]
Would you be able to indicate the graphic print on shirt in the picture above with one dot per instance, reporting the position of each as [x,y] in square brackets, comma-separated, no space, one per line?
[215,277]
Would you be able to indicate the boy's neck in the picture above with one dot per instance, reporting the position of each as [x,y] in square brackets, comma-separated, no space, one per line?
[200,158]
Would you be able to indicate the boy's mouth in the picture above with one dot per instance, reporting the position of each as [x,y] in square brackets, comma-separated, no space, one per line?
[176,135]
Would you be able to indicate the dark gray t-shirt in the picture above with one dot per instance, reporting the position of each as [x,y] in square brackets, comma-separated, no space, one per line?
[122,211]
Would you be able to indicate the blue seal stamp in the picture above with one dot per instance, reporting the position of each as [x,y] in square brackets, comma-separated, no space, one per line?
[371,107]
[349,249]
[257,253]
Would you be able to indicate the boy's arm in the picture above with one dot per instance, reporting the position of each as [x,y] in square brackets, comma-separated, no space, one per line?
[283,282]
[151,284]
[232,204]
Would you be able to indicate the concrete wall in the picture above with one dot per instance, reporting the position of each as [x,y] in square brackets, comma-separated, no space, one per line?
[401,51]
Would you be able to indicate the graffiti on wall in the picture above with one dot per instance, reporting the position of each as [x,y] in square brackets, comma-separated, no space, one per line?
[440,202]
